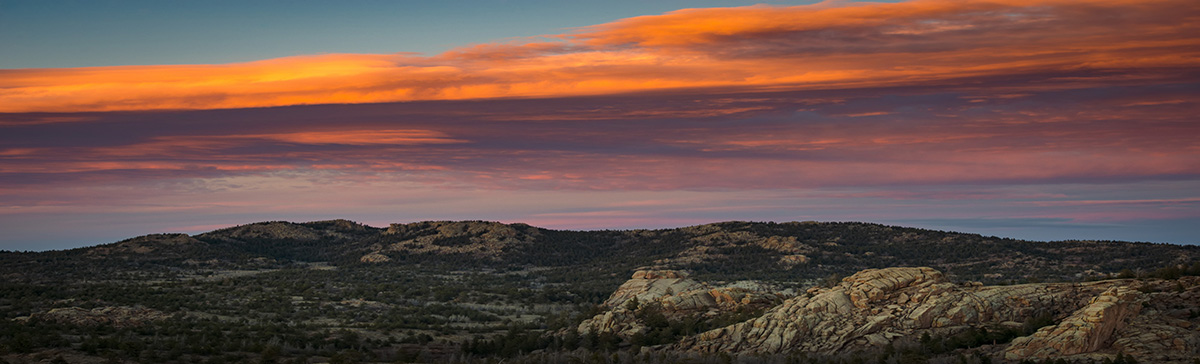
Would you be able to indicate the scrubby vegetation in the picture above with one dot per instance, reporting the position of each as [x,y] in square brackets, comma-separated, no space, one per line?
[283,293]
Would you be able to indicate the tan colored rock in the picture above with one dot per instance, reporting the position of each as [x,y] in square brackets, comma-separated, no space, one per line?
[1087,330]
[872,284]
[789,261]
[709,240]
[618,320]
[1168,328]
[652,285]
[375,258]
[658,274]
[874,307]
[678,296]
[485,240]
[723,297]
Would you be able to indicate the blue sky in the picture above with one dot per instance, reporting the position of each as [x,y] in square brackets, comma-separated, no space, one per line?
[85,33]
[122,118]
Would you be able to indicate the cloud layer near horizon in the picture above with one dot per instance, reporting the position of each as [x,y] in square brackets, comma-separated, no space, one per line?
[1036,119]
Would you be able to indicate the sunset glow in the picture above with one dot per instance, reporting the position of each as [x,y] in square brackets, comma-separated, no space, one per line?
[1025,118]
[801,47]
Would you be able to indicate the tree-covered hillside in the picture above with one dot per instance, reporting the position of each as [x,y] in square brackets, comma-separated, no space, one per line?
[339,291]
[794,251]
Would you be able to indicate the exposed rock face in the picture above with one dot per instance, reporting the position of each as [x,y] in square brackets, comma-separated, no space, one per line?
[677,295]
[874,284]
[1167,329]
[1087,330]
[711,241]
[653,285]
[375,258]
[876,306]
[118,316]
[478,238]
[620,321]
[872,308]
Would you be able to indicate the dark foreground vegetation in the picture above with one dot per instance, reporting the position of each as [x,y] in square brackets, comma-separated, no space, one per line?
[472,292]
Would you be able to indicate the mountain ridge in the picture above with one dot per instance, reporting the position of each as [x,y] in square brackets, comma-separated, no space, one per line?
[474,291]
[811,250]
[353,225]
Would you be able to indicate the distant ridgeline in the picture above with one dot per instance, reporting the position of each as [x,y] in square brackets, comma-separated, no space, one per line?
[793,251]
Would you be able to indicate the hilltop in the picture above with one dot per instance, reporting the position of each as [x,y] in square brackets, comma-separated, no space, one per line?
[728,250]
[468,291]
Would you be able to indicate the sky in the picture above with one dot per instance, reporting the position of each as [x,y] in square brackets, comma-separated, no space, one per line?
[1032,119]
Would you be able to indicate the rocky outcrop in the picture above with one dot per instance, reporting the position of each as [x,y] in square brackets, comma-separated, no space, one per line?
[374,258]
[1087,330]
[481,239]
[619,320]
[677,296]
[711,241]
[648,286]
[116,316]
[874,284]
[1167,329]
[875,307]
[1155,321]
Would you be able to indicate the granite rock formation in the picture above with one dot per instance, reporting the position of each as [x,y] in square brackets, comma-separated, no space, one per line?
[678,296]
[877,307]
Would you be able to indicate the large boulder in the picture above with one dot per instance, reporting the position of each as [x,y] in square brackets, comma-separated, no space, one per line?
[656,285]
[1087,330]
[676,296]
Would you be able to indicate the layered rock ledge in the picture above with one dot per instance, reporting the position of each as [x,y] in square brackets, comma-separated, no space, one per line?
[877,307]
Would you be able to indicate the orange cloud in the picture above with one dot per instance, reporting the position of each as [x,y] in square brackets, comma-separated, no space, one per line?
[828,45]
